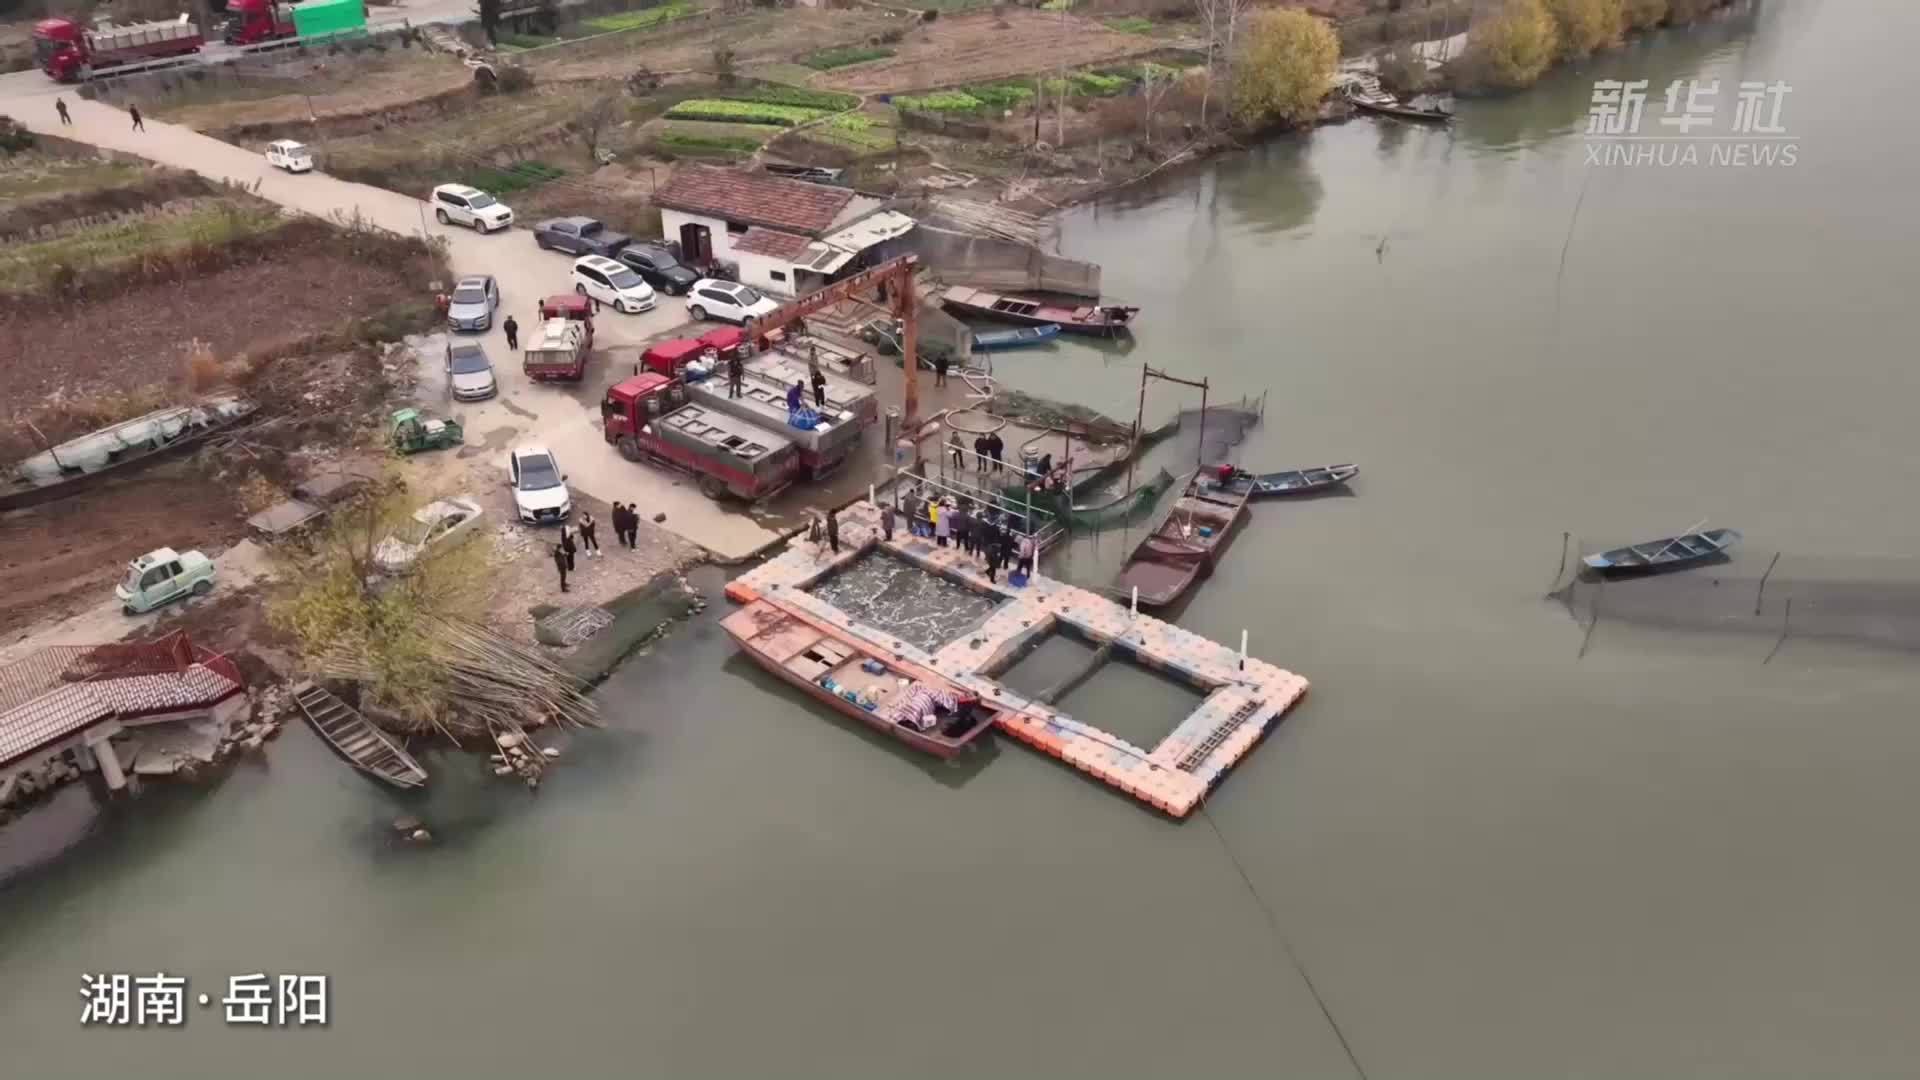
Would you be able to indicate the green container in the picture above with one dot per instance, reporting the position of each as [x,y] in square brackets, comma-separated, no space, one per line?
[323,18]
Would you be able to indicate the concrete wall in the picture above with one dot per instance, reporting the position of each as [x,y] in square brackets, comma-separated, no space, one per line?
[755,270]
[990,263]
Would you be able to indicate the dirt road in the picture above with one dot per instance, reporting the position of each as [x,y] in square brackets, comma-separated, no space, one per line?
[566,420]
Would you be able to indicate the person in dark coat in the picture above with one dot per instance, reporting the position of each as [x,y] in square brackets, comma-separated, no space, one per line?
[963,526]
[567,546]
[994,552]
[736,373]
[513,332]
[940,370]
[560,564]
[60,106]
[819,390]
[588,529]
[795,395]
[619,515]
[833,531]
[995,447]
[138,124]
[886,521]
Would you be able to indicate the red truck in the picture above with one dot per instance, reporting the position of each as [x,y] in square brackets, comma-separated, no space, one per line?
[558,347]
[250,22]
[648,418]
[69,52]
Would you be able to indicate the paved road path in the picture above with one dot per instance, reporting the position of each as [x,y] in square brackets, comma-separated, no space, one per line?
[565,418]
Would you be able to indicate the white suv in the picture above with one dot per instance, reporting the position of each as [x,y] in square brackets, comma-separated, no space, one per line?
[730,301]
[610,282]
[539,487]
[458,204]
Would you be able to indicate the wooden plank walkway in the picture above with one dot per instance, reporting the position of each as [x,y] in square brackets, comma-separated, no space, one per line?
[1174,775]
[366,746]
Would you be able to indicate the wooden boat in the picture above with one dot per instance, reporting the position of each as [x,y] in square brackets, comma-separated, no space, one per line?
[1288,482]
[1024,338]
[1431,114]
[364,746]
[1106,320]
[78,464]
[829,667]
[1672,553]
[1182,549]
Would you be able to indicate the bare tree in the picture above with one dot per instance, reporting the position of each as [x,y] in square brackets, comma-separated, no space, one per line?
[1153,92]
[1219,21]
[593,123]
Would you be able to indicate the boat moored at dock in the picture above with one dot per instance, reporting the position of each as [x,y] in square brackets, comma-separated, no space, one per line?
[1182,549]
[1104,320]
[927,713]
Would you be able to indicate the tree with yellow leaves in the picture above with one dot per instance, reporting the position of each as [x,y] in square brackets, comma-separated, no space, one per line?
[1587,25]
[1284,68]
[1514,45]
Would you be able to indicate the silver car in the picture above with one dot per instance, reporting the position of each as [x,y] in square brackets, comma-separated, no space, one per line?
[473,302]
[469,372]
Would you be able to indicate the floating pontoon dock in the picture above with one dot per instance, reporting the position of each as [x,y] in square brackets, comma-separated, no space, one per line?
[1241,701]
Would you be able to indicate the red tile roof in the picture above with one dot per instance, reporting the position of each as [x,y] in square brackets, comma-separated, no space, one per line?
[747,198]
[779,245]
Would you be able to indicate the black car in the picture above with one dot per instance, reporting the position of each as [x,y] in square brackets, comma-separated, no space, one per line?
[657,266]
[579,236]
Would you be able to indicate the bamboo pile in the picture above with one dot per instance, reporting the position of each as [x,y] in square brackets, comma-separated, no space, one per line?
[493,685]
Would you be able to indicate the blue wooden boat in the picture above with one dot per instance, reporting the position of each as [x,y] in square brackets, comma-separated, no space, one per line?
[1671,553]
[1023,338]
[1287,482]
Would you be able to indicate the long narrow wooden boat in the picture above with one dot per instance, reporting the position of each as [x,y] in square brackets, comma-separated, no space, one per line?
[880,692]
[1287,482]
[1024,338]
[1431,114]
[1106,320]
[78,464]
[354,737]
[1183,548]
[1671,553]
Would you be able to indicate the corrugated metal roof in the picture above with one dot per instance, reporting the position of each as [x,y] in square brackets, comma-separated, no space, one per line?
[771,243]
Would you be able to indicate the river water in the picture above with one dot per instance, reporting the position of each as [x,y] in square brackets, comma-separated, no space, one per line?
[1490,854]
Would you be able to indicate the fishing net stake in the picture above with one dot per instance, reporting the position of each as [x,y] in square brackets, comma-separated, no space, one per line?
[1760,595]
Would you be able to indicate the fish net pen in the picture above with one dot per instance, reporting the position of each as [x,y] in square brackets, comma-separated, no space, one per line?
[1869,601]
[1032,411]
[1094,509]
[1209,435]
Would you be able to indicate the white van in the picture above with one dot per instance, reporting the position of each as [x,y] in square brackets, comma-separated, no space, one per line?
[614,283]
[289,155]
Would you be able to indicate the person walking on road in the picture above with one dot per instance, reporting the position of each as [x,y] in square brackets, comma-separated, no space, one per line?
[560,564]
[60,106]
[620,524]
[587,538]
[833,530]
[940,370]
[567,546]
[138,124]
[513,332]
[736,373]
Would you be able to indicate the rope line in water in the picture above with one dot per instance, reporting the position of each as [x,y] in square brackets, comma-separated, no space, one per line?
[1293,958]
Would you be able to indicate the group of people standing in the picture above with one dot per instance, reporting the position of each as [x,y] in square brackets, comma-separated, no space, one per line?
[626,531]
[988,535]
[987,451]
